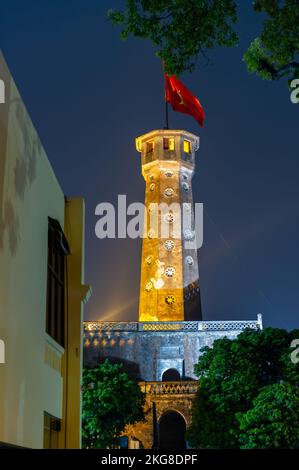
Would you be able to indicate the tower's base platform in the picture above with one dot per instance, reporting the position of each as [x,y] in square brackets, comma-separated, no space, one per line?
[148,350]
[161,357]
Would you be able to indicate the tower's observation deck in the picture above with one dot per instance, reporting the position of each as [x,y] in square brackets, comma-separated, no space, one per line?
[169,284]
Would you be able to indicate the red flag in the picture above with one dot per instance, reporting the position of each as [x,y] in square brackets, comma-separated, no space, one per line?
[182,100]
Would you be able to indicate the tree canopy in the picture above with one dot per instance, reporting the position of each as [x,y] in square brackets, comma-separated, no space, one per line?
[272,55]
[183,30]
[180,29]
[273,421]
[235,378]
[111,400]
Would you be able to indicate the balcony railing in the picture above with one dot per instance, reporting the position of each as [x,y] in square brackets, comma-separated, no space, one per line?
[169,388]
[234,325]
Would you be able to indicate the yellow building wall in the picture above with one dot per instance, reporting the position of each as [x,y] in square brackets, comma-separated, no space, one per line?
[77,294]
[38,372]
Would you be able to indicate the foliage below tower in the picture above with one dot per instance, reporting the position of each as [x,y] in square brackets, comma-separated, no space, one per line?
[248,393]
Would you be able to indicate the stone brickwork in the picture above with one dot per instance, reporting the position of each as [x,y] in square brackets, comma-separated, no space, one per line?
[162,397]
[147,350]
[147,353]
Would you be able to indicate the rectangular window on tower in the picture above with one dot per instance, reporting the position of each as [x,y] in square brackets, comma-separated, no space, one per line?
[168,143]
[57,250]
[149,146]
[187,146]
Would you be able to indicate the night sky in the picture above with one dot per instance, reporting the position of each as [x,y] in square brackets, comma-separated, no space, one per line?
[90,94]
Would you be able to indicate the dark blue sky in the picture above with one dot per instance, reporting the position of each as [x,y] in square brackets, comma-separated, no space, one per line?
[89,95]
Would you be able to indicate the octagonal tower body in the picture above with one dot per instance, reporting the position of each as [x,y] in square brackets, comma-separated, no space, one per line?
[169,283]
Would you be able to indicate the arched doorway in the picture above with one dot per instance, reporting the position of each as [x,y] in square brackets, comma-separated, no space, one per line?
[171,375]
[172,428]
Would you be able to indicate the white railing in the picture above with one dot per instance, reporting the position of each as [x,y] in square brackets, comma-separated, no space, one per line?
[233,325]
[110,326]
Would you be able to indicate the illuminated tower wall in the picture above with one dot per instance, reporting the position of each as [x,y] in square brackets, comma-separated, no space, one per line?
[169,285]
[161,349]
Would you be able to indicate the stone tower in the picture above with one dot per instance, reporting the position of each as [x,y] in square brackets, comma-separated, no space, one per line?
[169,286]
[160,350]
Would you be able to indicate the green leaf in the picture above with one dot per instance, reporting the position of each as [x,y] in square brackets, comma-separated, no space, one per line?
[111,400]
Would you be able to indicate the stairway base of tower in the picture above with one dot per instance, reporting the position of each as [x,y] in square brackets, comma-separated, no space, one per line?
[161,357]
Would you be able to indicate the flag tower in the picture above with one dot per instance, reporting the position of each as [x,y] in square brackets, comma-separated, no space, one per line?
[169,285]
[162,347]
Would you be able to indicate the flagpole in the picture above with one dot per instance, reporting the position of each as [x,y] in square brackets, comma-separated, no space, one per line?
[166,102]
[166,114]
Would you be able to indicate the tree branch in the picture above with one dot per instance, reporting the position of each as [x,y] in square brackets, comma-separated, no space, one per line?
[276,74]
